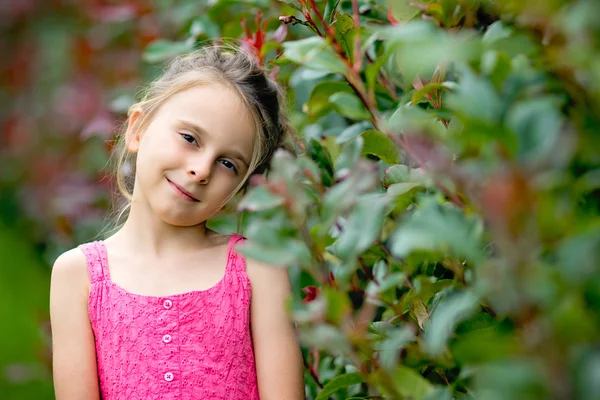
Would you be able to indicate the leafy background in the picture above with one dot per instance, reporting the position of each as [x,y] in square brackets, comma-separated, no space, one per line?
[441,227]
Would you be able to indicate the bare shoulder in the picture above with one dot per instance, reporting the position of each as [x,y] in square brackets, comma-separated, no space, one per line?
[70,269]
[74,354]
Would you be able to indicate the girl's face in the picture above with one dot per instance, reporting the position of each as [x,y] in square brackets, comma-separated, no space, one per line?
[194,153]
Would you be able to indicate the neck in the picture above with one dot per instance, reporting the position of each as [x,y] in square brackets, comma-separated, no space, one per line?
[146,233]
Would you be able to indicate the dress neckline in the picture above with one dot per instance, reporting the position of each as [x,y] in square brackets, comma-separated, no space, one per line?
[107,278]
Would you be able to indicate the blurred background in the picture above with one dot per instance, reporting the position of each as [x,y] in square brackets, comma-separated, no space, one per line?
[69,71]
[71,68]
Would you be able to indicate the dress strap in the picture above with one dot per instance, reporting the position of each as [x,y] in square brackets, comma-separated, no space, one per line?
[95,257]
[238,262]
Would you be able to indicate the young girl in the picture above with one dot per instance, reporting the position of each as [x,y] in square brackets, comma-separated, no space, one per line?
[166,308]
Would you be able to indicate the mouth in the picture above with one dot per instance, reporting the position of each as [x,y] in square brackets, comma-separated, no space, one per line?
[182,192]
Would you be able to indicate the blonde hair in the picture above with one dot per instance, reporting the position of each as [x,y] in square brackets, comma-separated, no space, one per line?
[227,65]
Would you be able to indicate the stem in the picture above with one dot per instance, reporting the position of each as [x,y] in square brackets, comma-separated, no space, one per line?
[356,83]
[313,251]
[330,33]
[312,372]
[383,80]
[443,377]
[357,58]
[312,23]
[366,103]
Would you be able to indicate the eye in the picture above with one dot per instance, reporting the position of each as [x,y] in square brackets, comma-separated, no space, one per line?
[229,165]
[188,138]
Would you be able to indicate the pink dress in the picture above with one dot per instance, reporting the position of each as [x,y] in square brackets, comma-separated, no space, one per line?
[194,345]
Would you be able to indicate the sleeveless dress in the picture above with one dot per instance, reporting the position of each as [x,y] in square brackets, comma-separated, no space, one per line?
[194,345]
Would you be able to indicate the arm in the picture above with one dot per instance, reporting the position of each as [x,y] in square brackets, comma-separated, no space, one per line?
[74,353]
[279,365]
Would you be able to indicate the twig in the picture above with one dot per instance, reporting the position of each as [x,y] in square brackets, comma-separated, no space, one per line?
[312,372]
[357,58]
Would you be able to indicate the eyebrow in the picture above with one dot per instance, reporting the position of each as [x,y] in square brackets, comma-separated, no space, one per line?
[203,132]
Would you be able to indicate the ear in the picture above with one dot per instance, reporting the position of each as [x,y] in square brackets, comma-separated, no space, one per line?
[133,135]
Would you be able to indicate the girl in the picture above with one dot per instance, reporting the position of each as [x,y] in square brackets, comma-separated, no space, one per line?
[165,308]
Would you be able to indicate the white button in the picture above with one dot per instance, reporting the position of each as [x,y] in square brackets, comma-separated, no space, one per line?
[168,304]
[167,338]
[169,376]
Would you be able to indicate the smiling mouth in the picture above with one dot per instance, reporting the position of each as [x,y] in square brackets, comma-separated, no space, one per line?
[182,192]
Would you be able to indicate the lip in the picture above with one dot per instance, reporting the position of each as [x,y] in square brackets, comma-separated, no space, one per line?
[182,192]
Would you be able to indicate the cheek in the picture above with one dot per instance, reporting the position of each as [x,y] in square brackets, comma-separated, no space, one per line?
[159,150]
[225,183]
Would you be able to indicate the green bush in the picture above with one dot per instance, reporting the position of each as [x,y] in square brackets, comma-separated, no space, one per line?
[441,226]
[443,219]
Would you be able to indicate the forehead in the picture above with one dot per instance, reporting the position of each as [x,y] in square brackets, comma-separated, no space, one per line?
[216,108]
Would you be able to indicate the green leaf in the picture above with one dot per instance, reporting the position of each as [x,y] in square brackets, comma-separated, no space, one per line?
[259,199]
[280,61]
[361,179]
[353,131]
[345,33]
[483,346]
[349,106]
[338,305]
[318,104]
[322,158]
[501,38]
[537,124]
[381,146]
[519,378]
[363,226]
[496,31]
[419,312]
[409,383]
[398,189]
[339,382]
[330,10]
[310,168]
[430,87]
[403,10]
[408,119]
[578,255]
[287,253]
[349,155]
[314,53]
[162,50]
[225,224]
[292,3]
[203,25]
[423,289]
[476,98]
[443,228]
[497,66]
[418,48]
[450,310]
[398,173]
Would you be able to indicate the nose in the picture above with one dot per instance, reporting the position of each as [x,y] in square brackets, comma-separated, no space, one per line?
[200,170]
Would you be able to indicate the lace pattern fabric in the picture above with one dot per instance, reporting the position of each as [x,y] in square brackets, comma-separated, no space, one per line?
[190,346]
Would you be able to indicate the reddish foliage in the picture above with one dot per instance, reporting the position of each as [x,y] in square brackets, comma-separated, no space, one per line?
[253,42]
[311,293]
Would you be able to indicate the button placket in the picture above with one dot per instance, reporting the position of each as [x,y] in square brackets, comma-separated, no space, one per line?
[168,376]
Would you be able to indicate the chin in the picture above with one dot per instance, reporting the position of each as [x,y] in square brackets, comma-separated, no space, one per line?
[183,222]
[182,219]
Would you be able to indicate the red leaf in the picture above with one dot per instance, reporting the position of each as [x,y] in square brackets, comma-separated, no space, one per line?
[391,17]
[311,293]
[280,34]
